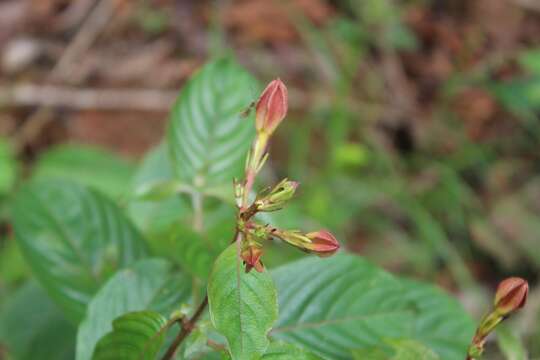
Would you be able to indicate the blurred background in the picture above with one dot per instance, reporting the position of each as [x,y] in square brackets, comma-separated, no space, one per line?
[414,125]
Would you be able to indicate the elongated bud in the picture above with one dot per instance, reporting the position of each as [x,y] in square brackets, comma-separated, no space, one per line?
[511,295]
[271,107]
[252,258]
[323,243]
[277,197]
[292,237]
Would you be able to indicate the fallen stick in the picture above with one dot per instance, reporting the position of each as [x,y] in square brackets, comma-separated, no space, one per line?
[86,98]
[532,5]
[89,31]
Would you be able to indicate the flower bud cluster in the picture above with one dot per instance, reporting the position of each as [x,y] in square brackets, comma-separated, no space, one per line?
[271,109]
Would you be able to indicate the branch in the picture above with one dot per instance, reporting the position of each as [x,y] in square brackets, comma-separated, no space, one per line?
[87,34]
[86,99]
[63,69]
[187,328]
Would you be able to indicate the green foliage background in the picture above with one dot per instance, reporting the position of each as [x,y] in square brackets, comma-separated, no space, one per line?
[83,249]
[97,237]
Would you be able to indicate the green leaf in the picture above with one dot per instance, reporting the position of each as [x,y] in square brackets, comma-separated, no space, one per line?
[196,345]
[510,344]
[135,336]
[203,343]
[530,60]
[397,350]
[401,36]
[155,217]
[86,165]
[8,167]
[160,190]
[439,321]
[519,95]
[279,350]
[193,251]
[13,268]
[149,284]
[243,306]
[73,239]
[331,306]
[156,166]
[351,155]
[208,138]
[32,327]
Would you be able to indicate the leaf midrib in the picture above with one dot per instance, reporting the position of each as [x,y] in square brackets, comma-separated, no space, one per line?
[239,290]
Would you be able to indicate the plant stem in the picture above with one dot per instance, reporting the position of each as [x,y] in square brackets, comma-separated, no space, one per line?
[198,212]
[187,328]
[256,158]
[249,212]
[257,154]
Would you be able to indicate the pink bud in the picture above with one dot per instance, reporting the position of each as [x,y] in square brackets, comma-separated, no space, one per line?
[252,258]
[323,243]
[511,295]
[271,107]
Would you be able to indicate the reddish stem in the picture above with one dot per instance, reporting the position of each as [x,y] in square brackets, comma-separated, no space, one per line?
[187,328]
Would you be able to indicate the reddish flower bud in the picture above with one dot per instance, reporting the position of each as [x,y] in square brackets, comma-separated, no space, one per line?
[323,243]
[511,295]
[252,258]
[271,107]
